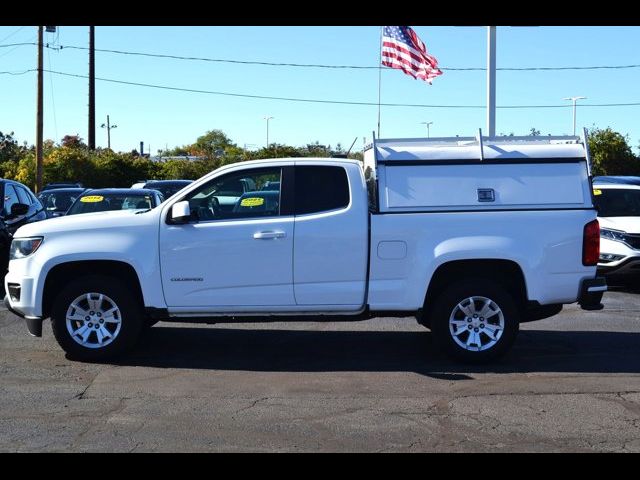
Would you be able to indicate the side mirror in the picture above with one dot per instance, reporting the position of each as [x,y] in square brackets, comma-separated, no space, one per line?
[180,212]
[18,209]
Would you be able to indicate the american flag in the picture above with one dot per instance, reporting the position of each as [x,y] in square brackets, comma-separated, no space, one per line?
[401,48]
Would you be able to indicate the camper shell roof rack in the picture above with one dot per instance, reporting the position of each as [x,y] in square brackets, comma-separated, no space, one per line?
[508,149]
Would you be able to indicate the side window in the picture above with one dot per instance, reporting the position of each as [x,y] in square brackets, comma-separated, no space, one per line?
[10,198]
[320,188]
[238,195]
[23,196]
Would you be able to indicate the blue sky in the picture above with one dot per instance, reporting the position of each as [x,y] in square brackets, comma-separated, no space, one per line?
[163,118]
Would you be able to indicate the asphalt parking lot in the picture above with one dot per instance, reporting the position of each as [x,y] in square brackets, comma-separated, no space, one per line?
[571,383]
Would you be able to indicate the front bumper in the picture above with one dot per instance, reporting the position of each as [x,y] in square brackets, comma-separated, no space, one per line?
[34,324]
[627,266]
[591,292]
[628,258]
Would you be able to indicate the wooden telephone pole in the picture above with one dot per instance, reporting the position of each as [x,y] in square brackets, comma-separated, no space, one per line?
[39,117]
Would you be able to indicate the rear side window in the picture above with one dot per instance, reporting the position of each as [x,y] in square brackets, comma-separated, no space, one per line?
[23,196]
[320,188]
[10,198]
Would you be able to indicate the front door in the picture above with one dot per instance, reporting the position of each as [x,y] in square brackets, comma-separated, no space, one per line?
[237,250]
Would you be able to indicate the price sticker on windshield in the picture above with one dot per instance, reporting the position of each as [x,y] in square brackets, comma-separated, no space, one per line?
[597,191]
[252,202]
[92,199]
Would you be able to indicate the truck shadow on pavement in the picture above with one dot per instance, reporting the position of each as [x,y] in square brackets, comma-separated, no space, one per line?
[325,351]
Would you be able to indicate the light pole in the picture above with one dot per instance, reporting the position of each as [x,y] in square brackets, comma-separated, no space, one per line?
[267,119]
[108,126]
[427,124]
[574,100]
[491,81]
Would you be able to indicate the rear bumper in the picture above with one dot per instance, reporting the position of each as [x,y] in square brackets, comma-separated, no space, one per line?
[34,324]
[591,292]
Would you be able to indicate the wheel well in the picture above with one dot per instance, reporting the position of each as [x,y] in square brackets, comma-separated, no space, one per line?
[59,276]
[504,272]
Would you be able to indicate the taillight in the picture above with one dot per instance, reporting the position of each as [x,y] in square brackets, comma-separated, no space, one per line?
[591,244]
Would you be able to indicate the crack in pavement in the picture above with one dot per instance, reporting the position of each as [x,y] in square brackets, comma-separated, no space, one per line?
[80,396]
[253,404]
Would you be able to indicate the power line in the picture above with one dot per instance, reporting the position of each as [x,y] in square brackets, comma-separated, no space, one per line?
[339,102]
[19,73]
[357,67]
[314,65]
[11,34]
[17,45]
[20,44]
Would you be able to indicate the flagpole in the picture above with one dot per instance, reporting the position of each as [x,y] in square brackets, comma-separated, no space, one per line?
[379,81]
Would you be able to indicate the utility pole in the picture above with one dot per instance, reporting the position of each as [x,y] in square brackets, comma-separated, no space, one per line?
[267,119]
[108,126]
[427,124]
[574,100]
[39,117]
[92,90]
[491,81]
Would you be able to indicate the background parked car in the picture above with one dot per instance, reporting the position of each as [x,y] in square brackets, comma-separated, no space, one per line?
[618,203]
[19,206]
[52,186]
[57,201]
[167,187]
[107,199]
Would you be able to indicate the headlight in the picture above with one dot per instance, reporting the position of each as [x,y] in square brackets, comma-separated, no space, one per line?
[613,235]
[23,247]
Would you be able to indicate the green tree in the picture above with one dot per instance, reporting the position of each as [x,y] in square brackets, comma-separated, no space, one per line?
[611,153]
[212,144]
[276,150]
[9,148]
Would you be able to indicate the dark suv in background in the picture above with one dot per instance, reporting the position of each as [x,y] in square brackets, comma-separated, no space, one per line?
[57,201]
[53,186]
[19,206]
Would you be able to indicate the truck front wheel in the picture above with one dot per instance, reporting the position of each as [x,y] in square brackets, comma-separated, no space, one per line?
[95,318]
[475,320]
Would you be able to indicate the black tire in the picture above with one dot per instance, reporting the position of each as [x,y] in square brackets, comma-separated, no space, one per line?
[130,317]
[446,306]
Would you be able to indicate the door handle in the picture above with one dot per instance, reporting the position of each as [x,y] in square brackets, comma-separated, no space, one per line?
[269,234]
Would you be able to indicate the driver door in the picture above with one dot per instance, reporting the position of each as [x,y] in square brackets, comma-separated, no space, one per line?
[237,249]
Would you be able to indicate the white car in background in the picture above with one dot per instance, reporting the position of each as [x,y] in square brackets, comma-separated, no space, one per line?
[618,201]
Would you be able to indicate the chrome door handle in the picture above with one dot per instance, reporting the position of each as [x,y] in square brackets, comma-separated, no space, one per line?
[269,234]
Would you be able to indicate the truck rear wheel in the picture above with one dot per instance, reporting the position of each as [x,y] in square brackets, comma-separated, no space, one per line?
[96,318]
[475,320]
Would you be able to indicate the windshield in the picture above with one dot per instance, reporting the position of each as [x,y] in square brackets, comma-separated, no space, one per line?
[54,201]
[95,202]
[617,202]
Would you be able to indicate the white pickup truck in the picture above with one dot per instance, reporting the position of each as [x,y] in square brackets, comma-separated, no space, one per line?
[471,236]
